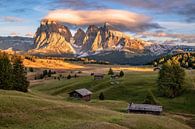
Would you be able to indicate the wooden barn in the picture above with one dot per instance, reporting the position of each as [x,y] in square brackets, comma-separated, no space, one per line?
[145,108]
[98,76]
[82,94]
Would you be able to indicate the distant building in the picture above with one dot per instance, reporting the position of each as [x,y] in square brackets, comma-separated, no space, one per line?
[145,108]
[82,94]
[98,76]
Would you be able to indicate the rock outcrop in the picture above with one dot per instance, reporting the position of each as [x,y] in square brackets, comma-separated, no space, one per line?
[52,38]
[92,39]
[108,38]
[79,37]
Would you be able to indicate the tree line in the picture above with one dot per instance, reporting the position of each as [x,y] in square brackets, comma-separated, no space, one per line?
[12,73]
[185,60]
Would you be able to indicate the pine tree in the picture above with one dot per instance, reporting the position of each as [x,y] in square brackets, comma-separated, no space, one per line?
[19,76]
[101,96]
[110,72]
[121,74]
[69,76]
[5,72]
[49,73]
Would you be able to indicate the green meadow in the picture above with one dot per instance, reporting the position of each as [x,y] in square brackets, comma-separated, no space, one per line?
[47,105]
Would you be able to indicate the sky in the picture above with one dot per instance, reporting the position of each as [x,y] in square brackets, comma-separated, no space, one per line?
[159,21]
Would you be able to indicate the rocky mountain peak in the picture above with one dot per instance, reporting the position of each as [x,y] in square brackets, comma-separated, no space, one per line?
[47,22]
[79,37]
[107,26]
[55,38]
[92,29]
[52,37]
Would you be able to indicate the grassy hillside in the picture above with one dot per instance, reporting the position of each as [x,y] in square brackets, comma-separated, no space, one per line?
[131,88]
[38,111]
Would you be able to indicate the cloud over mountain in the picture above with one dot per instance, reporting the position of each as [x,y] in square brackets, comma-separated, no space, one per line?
[176,38]
[123,20]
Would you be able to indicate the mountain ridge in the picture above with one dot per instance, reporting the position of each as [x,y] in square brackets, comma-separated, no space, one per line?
[97,42]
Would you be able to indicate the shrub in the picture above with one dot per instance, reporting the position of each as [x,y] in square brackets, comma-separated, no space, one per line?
[101,96]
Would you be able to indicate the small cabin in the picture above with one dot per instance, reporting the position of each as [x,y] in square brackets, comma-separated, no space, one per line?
[82,94]
[145,108]
[98,76]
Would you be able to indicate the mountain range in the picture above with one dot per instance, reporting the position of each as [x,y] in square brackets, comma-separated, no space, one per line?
[54,38]
[102,43]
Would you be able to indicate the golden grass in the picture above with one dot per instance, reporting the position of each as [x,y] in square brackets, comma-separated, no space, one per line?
[51,64]
[138,69]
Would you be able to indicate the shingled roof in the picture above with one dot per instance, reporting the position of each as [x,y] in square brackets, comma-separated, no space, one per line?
[145,107]
[83,92]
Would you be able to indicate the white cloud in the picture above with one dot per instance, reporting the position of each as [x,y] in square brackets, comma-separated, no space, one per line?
[124,20]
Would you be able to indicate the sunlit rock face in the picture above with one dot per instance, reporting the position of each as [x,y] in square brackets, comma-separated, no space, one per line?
[52,38]
[92,40]
[109,38]
[79,37]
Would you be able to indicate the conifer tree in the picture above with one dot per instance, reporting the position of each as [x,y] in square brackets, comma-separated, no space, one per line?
[5,72]
[110,72]
[19,76]
[121,74]
[69,76]
[101,96]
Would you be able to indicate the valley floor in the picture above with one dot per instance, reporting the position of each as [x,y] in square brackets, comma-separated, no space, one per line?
[47,105]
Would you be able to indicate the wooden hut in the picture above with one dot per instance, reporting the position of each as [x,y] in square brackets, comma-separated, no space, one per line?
[145,108]
[82,94]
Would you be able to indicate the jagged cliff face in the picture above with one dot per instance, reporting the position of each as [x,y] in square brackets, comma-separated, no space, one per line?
[79,37]
[108,38]
[92,39]
[52,38]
